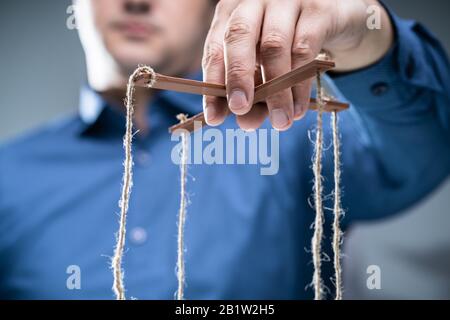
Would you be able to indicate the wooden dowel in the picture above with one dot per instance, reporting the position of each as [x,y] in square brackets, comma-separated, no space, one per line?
[288,80]
[329,106]
[159,81]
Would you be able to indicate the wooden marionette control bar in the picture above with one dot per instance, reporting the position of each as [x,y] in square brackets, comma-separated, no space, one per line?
[288,80]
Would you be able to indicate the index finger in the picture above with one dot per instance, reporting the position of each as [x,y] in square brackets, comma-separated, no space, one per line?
[213,65]
[240,41]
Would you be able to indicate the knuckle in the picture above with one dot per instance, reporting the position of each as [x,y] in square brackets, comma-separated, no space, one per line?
[237,70]
[220,7]
[315,6]
[213,55]
[302,49]
[236,31]
[273,46]
[223,7]
[221,12]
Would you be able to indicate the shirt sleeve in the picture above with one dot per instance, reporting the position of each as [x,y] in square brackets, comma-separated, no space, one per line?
[396,137]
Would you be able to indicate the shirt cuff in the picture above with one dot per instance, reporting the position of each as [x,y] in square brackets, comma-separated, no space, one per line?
[398,76]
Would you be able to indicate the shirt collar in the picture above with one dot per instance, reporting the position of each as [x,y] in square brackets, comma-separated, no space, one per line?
[91,105]
[94,111]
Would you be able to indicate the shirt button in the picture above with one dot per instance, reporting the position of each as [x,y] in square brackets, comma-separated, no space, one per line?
[138,235]
[379,88]
[143,158]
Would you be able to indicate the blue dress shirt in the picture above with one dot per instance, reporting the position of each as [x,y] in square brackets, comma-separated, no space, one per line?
[247,235]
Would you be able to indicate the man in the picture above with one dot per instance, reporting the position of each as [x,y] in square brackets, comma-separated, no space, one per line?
[246,235]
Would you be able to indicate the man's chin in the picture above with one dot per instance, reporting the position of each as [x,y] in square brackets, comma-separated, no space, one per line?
[162,61]
[129,63]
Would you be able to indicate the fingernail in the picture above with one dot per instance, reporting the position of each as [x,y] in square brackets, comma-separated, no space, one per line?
[279,119]
[210,113]
[298,111]
[237,100]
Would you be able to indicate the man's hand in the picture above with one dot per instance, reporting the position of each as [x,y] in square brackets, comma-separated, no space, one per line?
[280,35]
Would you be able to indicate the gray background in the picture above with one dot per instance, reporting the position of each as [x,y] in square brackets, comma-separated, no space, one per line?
[42,67]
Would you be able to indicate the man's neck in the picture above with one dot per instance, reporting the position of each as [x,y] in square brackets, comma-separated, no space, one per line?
[116,100]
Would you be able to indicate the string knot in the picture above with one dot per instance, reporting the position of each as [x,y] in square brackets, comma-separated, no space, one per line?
[143,71]
[182,117]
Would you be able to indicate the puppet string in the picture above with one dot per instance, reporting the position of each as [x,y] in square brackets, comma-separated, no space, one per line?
[127,182]
[316,241]
[182,211]
[337,209]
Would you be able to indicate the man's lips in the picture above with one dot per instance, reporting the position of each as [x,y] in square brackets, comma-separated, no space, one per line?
[134,29]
